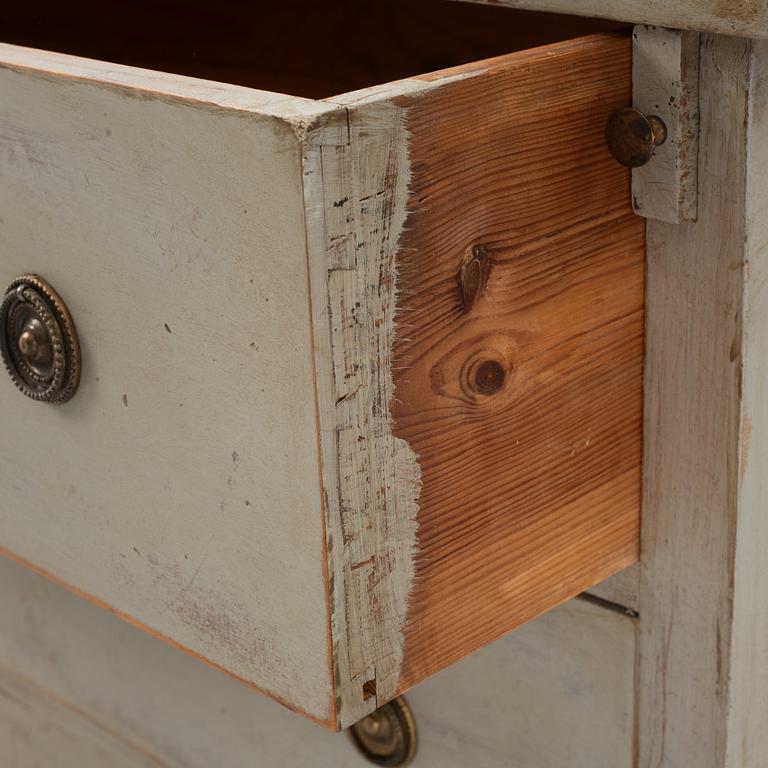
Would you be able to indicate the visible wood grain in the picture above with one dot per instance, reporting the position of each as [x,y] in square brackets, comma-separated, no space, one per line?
[665,76]
[179,486]
[301,449]
[312,49]
[747,18]
[556,692]
[525,409]
[703,651]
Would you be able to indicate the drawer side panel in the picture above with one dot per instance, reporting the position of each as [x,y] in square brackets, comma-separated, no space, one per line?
[518,360]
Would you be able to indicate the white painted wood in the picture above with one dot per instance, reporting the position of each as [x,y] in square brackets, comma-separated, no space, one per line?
[557,692]
[665,75]
[748,18]
[181,483]
[38,731]
[747,745]
[703,650]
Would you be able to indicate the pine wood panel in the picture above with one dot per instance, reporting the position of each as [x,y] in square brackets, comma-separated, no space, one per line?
[524,409]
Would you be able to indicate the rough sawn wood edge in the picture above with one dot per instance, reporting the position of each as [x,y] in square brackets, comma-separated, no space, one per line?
[356,177]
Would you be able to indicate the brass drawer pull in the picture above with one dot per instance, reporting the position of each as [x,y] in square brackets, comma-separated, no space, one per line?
[388,735]
[39,342]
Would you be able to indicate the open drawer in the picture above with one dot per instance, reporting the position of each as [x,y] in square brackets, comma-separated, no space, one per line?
[361,374]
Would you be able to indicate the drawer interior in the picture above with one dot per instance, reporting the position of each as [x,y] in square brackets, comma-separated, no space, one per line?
[299,47]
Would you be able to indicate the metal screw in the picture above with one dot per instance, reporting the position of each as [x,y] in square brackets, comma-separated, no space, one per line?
[633,136]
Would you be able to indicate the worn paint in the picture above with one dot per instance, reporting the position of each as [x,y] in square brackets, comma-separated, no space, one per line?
[371,479]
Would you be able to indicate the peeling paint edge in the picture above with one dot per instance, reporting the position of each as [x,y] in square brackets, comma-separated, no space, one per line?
[356,178]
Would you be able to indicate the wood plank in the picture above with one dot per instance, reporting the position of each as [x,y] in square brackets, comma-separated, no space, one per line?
[747,18]
[530,472]
[38,731]
[703,650]
[169,214]
[557,692]
[529,491]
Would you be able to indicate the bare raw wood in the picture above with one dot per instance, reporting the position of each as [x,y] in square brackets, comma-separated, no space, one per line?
[556,692]
[703,650]
[748,18]
[507,477]
[665,83]
[524,408]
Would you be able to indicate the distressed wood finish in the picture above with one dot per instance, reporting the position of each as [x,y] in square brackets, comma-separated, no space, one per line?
[748,18]
[179,486]
[665,83]
[536,699]
[703,652]
[522,496]
[359,395]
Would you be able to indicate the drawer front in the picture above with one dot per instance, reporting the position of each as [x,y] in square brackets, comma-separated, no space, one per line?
[361,377]
[557,693]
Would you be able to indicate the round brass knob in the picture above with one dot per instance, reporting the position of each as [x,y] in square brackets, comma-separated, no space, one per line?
[388,735]
[38,341]
[633,136]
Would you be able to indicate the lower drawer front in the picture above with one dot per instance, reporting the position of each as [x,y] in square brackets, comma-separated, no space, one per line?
[557,693]
[361,376]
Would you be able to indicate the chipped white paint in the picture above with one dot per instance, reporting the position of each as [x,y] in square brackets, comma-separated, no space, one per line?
[703,652]
[665,75]
[181,483]
[355,195]
[748,18]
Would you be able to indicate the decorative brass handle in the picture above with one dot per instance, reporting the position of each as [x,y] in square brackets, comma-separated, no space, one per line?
[38,341]
[633,136]
[388,735]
